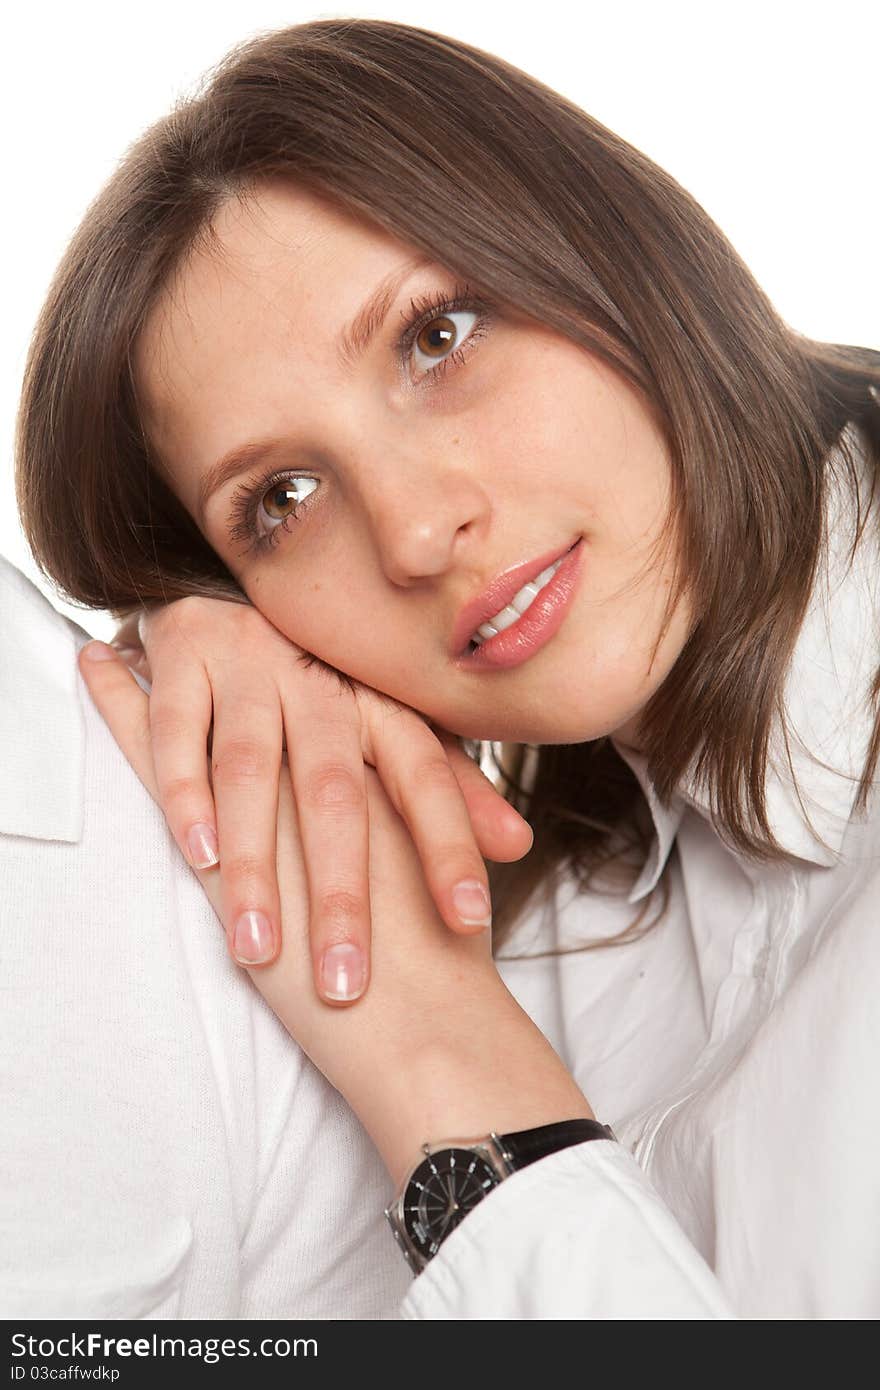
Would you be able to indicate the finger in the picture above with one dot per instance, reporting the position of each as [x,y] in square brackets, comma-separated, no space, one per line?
[181,706]
[329,783]
[501,832]
[246,762]
[122,705]
[417,775]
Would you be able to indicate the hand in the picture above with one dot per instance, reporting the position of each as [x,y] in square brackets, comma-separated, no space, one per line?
[209,655]
[439,1048]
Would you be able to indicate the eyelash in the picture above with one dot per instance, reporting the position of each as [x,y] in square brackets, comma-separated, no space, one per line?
[247,496]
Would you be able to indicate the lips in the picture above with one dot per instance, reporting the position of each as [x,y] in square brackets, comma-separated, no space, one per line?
[498,595]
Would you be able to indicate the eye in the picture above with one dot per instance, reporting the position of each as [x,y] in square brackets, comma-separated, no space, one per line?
[441,338]
[279,502]
[441,329]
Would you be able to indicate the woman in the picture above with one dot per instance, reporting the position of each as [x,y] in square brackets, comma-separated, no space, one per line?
[585,496]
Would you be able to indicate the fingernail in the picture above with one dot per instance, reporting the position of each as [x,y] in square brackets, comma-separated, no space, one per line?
[472,903]
[99,651]
[342,971]
[252,938]
[201,842]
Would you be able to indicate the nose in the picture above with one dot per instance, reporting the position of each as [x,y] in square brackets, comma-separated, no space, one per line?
[426,510]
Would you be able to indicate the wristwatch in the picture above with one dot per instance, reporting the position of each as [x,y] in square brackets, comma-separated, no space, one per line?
[456,1174]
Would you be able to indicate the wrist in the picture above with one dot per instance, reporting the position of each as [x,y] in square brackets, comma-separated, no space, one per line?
[496,1072]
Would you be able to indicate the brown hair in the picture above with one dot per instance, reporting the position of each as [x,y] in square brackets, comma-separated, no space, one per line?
[565,221]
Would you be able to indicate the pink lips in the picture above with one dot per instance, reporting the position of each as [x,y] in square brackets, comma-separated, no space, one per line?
[498,596]
[534,628]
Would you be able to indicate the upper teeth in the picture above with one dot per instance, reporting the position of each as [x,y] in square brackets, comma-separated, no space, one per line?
[517,606]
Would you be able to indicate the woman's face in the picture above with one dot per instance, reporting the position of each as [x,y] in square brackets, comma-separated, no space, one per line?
[371,496]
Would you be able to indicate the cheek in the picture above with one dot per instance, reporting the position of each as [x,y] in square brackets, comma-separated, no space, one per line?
[296,608]
[538,445]
[576,433]
[320,618]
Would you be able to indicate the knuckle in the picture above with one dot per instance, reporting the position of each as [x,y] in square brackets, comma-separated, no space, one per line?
[244,867]
[334,787]
[341,907]
[167,725]
[434,772]
[452,864]
[193,617]
[173,617]
[241,762]
[180,791]
[194,608]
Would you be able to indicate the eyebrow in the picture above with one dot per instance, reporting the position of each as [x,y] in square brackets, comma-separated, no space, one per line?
[351,346]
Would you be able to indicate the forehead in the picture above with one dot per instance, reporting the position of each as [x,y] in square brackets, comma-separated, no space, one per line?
[277,272]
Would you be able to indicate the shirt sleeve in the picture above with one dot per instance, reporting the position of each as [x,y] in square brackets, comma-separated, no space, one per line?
[578,1234]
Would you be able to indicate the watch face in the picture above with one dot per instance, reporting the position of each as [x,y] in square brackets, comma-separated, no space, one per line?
[441,1192]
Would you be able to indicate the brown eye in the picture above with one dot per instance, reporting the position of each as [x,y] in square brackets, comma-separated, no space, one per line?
[436,339]
[281,500]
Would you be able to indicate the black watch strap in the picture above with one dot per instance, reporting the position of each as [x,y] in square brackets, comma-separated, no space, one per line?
[526,1146]
[421,1225]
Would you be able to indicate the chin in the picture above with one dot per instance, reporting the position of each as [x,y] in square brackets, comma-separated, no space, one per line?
[541,729]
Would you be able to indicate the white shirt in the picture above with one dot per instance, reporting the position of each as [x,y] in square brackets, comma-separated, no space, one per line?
[172,1153]
[166,1150]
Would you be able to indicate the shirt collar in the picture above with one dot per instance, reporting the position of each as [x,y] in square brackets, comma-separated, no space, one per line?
[826,696]
[42,732]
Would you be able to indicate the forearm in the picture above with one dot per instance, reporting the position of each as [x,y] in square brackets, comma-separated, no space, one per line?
[502,1076]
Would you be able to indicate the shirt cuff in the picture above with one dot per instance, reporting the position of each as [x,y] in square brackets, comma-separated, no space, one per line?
[578,1234]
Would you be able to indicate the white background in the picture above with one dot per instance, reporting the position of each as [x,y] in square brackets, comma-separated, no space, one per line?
[767,113]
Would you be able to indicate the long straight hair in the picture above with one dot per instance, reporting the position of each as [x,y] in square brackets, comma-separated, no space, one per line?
[521,192]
